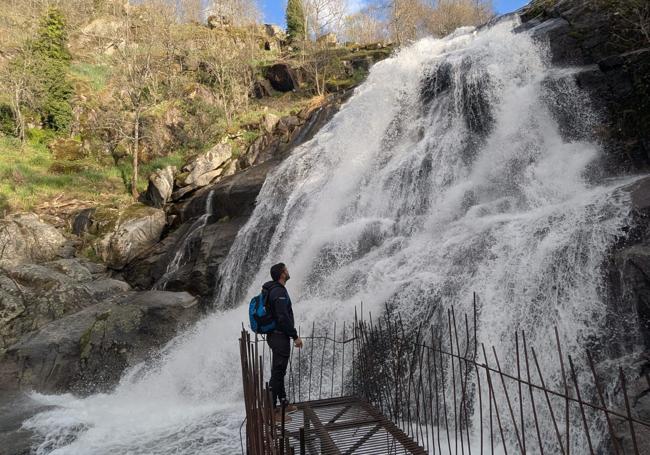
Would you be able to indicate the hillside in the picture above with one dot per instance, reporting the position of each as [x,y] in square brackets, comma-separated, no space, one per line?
[201,85]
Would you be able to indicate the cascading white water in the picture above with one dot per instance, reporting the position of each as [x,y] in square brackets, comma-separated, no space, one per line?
[185,245]
[446,173]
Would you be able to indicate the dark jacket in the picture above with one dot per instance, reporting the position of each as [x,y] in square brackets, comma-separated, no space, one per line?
[280,307]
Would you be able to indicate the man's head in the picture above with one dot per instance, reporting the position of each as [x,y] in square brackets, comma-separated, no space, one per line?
[279,272]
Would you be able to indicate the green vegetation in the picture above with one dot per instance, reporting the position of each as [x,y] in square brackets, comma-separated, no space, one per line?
[295,20]
[30,175]
[95,75]
[93,99]
[51,62]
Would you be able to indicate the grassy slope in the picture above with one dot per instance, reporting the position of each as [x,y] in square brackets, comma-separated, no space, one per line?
[31,176]
[27,178]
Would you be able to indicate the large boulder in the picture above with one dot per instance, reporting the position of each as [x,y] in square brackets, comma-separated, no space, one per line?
[136,230]
[203,170]
[206,163]
[197,274]
[282,77]
[87,351]
[24,237]
[262,89]
[161,186]
[33,295]
[269,122]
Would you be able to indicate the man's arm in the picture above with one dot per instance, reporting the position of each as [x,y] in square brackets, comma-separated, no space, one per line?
[285,324]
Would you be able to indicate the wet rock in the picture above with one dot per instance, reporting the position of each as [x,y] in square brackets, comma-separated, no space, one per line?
[136,230]
[199,275]
[160,188]
[232,197]
[282,77]
[638,390]
[614,63]
[24,237]
[144,272]
[629,271]
[87,351]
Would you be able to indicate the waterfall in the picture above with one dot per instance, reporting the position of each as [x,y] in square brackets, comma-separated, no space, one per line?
[447,173]
[186,244]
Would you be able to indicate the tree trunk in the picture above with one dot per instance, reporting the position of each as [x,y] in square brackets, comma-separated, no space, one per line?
[20,121]
[136,152]
[317,79]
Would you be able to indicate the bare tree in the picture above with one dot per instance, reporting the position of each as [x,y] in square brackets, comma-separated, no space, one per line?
[412,19]
[17,80]
[139,67]
[324,16]
[406,19]
[365,27]
[448,15]
[190,11]
[227,67]
[635,15]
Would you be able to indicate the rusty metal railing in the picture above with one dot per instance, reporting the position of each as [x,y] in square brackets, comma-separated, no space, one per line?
[448,392]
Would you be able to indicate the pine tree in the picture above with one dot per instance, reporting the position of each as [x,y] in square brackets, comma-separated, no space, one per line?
[295,20]
[52,61]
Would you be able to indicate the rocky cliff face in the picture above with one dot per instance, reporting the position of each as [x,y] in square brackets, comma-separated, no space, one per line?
[611,61]
[204,225]
[67,323]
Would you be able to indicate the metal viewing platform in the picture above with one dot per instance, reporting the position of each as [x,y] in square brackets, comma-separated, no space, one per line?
[376,388]
[333,426]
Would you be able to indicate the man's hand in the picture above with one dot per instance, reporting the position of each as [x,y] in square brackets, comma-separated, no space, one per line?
[298,342]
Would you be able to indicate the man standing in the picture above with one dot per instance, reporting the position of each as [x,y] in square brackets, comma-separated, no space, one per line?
[279,340]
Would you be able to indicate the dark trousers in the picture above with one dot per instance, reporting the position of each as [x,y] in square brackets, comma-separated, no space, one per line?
[280,345]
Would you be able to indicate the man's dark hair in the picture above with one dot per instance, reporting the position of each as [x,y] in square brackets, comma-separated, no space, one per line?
[277,270]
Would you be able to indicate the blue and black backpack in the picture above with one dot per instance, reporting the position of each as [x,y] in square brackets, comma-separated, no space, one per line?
[259,312]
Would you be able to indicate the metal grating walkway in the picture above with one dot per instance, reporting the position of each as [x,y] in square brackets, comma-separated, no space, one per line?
[347,425]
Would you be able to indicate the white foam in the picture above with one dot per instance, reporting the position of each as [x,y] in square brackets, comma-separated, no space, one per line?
[392,202]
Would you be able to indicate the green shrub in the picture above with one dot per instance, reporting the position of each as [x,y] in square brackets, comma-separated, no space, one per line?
[7,123]
[50,69]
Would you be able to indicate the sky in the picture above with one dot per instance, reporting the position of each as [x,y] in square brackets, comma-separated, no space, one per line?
[274,9]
